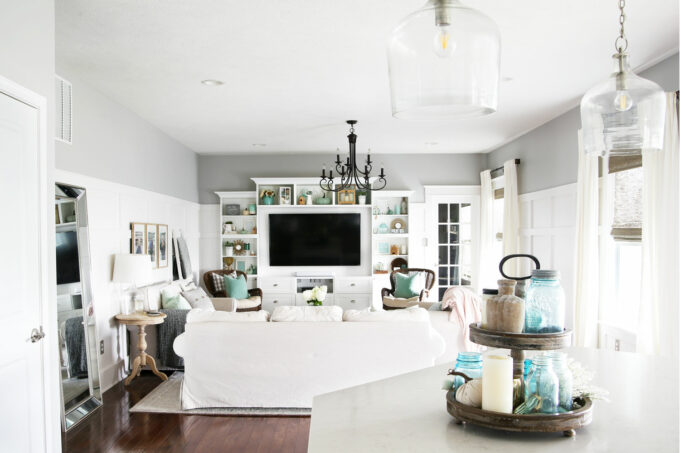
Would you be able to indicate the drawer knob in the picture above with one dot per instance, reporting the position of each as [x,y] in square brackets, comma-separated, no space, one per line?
[352,284]
[352,301]
[276,284]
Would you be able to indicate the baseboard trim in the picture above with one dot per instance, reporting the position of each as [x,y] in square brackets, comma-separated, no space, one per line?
[112,375]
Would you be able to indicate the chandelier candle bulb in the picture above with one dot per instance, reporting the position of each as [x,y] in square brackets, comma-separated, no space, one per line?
[497,383]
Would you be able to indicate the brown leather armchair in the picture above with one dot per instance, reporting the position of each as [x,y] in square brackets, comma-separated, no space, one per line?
[429,283]
[210,286]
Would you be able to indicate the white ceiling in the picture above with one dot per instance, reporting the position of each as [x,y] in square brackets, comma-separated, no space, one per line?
[294,70]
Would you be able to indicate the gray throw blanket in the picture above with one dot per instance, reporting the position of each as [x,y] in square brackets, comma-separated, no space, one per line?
[75,346]
[172,327]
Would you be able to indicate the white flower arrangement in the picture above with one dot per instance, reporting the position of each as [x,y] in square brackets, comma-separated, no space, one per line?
[316,295]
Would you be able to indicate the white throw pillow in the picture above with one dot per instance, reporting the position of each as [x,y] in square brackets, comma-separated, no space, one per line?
[198,315]
[411,314]
[197,298]
[331,313]
[187,285]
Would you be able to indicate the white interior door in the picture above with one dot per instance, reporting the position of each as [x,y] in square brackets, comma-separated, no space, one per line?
[22,415]
[452,219]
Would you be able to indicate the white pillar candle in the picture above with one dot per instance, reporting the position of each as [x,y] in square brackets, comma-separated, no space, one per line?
[497,383]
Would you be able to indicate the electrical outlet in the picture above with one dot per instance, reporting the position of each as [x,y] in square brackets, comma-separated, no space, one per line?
[617,345]
[101,347]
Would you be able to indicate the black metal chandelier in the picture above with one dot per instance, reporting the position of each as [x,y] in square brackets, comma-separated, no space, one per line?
[349,173]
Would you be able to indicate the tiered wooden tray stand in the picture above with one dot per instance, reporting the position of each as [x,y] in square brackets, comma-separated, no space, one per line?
[566,422]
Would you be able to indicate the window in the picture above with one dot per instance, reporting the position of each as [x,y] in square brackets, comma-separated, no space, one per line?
[624,252]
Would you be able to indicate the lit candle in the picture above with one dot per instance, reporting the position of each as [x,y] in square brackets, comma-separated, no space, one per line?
[497,383]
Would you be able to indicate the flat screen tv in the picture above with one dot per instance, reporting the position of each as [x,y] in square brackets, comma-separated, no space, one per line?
[315,239]
[68,268]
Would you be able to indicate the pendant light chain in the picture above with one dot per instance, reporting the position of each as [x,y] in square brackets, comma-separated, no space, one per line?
[621,43]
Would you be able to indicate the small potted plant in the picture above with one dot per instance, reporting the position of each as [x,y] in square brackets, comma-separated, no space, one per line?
[267,196]
[228,249]
[228,227]
[361,196]
[315,296]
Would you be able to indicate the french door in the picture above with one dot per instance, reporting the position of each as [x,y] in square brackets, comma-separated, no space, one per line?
[452,214]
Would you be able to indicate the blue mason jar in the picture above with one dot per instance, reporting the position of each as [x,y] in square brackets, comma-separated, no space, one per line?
[545,305]
[470,364]
[543,383]
[527,367]
[564,376]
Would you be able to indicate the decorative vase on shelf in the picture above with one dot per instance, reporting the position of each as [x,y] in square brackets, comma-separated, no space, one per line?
[362,199]
[267,200]
[252,209]
[229,250]
[404,206]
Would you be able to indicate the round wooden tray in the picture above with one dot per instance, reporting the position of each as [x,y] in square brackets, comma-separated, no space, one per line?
[565,422]
[523,341]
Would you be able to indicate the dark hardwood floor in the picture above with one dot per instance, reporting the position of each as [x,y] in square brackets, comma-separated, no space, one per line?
[114,428]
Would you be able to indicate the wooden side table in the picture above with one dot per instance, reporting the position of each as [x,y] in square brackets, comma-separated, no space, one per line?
[142,320]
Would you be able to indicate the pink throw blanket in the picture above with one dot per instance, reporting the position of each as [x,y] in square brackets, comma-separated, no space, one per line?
[465,308]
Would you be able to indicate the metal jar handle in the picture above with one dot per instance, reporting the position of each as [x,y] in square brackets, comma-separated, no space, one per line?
[518,255]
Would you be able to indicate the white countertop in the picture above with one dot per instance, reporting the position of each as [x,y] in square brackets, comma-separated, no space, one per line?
[408,413]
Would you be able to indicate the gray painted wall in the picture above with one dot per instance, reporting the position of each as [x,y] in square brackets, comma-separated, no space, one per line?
[549,153]
[113,143]
[404,171]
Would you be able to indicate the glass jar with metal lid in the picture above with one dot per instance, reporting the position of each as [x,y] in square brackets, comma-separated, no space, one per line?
[545,303]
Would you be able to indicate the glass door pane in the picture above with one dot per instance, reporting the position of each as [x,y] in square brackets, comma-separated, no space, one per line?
[454,245]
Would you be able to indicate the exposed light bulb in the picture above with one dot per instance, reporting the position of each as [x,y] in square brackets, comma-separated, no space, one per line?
[623,102]
[443,44]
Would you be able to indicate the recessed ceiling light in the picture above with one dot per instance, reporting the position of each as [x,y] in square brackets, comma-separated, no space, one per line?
[259,145]
[507,79]
[212,82]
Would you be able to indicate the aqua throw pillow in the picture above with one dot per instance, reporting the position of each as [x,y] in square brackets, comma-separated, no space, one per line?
[175,303]
[236,288]
[407,286]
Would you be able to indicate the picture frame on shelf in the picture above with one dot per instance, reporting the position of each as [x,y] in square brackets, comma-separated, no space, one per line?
[241,265]
[347,196]
[285,195]
[383,248]
[137,238]
[152,243]
[163,249]
[232,209]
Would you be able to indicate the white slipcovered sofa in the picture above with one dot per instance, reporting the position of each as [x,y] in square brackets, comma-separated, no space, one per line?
[230,363]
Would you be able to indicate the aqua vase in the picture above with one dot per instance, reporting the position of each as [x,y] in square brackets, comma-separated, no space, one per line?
[267,200]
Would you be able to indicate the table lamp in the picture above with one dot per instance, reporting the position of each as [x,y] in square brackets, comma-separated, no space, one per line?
[133,270]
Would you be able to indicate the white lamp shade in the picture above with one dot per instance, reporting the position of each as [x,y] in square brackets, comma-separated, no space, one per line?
[132,269]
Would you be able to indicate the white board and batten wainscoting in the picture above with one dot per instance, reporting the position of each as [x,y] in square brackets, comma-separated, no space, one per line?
[111,209]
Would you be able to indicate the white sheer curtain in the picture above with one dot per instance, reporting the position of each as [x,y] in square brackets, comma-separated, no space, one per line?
[658,316]
[511,217]
[586,307]
[486,236]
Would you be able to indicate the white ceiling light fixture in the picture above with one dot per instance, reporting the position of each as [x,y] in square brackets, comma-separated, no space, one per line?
[444,62]
[212,82]
[625,113]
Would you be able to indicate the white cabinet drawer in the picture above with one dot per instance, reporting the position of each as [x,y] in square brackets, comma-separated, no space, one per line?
[277,284]
[271,301]
[352,285]
[353,301]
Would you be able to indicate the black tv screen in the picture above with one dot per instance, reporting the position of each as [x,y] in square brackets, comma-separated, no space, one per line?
[68,268]
[314,239]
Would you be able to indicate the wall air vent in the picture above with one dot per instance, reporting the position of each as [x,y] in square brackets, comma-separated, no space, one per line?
[63,130]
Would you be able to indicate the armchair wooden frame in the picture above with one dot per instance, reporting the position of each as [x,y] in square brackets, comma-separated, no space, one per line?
[210,286]
[429,283]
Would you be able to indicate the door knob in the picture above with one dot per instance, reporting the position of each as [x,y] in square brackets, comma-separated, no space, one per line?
[37,335]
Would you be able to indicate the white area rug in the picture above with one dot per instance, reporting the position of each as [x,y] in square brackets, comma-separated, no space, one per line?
[165,399]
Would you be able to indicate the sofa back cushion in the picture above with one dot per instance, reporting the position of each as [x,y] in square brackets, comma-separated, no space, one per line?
[329,313]
[197,298]
[198,315]
[412,314]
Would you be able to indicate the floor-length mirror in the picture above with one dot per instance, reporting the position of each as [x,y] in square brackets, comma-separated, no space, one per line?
[78,339]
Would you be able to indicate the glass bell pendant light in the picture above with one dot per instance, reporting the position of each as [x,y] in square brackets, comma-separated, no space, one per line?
[444,62]
[625,113]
